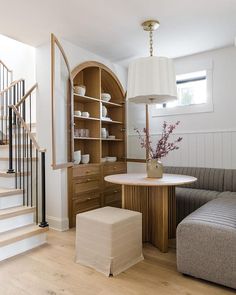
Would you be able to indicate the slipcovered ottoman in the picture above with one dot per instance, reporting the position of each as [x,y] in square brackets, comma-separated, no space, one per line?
[109,239]
[206,242]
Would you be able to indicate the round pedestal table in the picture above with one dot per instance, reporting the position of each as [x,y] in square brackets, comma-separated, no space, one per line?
[155,199]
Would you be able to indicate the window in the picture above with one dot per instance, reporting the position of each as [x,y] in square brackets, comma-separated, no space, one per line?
[193,93]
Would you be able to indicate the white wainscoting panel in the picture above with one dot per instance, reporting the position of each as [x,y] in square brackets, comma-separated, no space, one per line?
[213,149]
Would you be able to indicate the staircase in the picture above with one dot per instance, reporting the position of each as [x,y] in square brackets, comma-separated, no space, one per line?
[23,224]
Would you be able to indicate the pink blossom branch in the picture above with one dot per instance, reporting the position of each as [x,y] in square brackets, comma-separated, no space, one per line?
[163,146]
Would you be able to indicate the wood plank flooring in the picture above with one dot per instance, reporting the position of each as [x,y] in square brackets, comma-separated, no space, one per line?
[51,270]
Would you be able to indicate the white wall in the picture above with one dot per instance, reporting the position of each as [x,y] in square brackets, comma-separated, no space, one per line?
[57,210]
[209,139]
[20,58]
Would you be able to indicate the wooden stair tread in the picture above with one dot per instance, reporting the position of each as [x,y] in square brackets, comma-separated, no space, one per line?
[7,159]
[4,146]
[21,233]
[4,192]
[9,175]
[15,211]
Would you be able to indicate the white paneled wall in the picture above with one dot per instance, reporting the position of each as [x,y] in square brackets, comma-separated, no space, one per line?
[214,149]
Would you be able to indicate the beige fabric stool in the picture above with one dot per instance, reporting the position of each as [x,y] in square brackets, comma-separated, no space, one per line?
[109,239]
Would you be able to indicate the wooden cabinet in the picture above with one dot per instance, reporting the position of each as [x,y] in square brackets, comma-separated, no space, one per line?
[87,189]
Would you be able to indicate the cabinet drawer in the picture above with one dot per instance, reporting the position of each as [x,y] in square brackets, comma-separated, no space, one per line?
[87,196]
[111,196]
[85,184]
[85,170]
[114,168]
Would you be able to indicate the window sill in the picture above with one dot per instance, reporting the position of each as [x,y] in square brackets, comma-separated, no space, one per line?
[183,110]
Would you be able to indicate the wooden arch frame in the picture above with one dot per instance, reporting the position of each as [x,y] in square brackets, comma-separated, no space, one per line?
[68,163]
[87,64]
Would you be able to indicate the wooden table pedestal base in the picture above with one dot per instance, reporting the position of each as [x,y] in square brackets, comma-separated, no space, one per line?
[158,207]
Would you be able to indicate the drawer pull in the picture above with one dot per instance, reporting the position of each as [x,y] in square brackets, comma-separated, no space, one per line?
[88,198]
[87,171]
[115,168]
[89,179]
[115,191]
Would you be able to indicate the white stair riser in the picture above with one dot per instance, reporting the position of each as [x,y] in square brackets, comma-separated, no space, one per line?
[9,182]
[11,201]
[22,246]
[16,222]
[4,164]
[4,151]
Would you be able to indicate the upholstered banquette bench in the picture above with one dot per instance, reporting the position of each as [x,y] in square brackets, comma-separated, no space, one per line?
[206,217]
[212,183]
[206,242]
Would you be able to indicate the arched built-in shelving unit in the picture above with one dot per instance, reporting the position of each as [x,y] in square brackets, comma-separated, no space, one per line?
[87,188]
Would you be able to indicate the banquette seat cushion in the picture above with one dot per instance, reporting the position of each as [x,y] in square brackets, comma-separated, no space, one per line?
[206,241]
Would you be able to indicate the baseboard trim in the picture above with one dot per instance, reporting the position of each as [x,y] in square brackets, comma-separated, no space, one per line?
[58,223]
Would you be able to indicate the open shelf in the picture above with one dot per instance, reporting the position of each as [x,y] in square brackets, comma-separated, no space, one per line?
[113,148]
[98,79]
[110,104]
[86,138]
[116,139]
[80,118]
[86,99]
[111,122]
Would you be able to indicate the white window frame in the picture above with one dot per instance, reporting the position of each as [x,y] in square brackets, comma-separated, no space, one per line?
[207,107]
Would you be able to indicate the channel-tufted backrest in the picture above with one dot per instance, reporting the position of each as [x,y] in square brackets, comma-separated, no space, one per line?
[208,178]
[230,180]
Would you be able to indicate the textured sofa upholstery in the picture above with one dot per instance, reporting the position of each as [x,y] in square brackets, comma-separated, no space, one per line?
[206,240]
[189,200]
[210,184]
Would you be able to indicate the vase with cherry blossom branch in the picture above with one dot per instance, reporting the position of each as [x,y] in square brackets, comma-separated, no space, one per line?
[159,150]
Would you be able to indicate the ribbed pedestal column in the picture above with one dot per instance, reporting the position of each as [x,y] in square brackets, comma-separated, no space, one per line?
[158,206]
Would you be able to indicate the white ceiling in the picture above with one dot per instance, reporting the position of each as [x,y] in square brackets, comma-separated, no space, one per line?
[111,28]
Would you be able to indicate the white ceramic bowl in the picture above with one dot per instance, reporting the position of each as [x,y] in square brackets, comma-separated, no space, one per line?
[81,89]
[77,113]
[111,159]
[77,157]
[85,114]
[103,160]
[85,159]
[106,96]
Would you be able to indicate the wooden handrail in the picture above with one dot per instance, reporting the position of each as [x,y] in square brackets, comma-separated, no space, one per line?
[26,95]
[1,62]
[10,86]
[31,136]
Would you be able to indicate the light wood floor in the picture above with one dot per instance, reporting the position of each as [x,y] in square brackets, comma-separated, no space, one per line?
[51,270]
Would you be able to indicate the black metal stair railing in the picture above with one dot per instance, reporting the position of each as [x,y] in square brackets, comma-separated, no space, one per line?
[5,76]
[11,94]
[5,81]
[26,158]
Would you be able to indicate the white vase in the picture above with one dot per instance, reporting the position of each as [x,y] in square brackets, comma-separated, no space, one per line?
[154,168]
[104,111]
[104,133]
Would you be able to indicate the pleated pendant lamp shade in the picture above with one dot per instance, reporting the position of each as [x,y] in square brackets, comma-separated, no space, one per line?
[151,80]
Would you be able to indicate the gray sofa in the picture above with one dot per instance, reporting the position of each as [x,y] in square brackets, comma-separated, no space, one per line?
[211,184]
[206,242]
[206,234]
